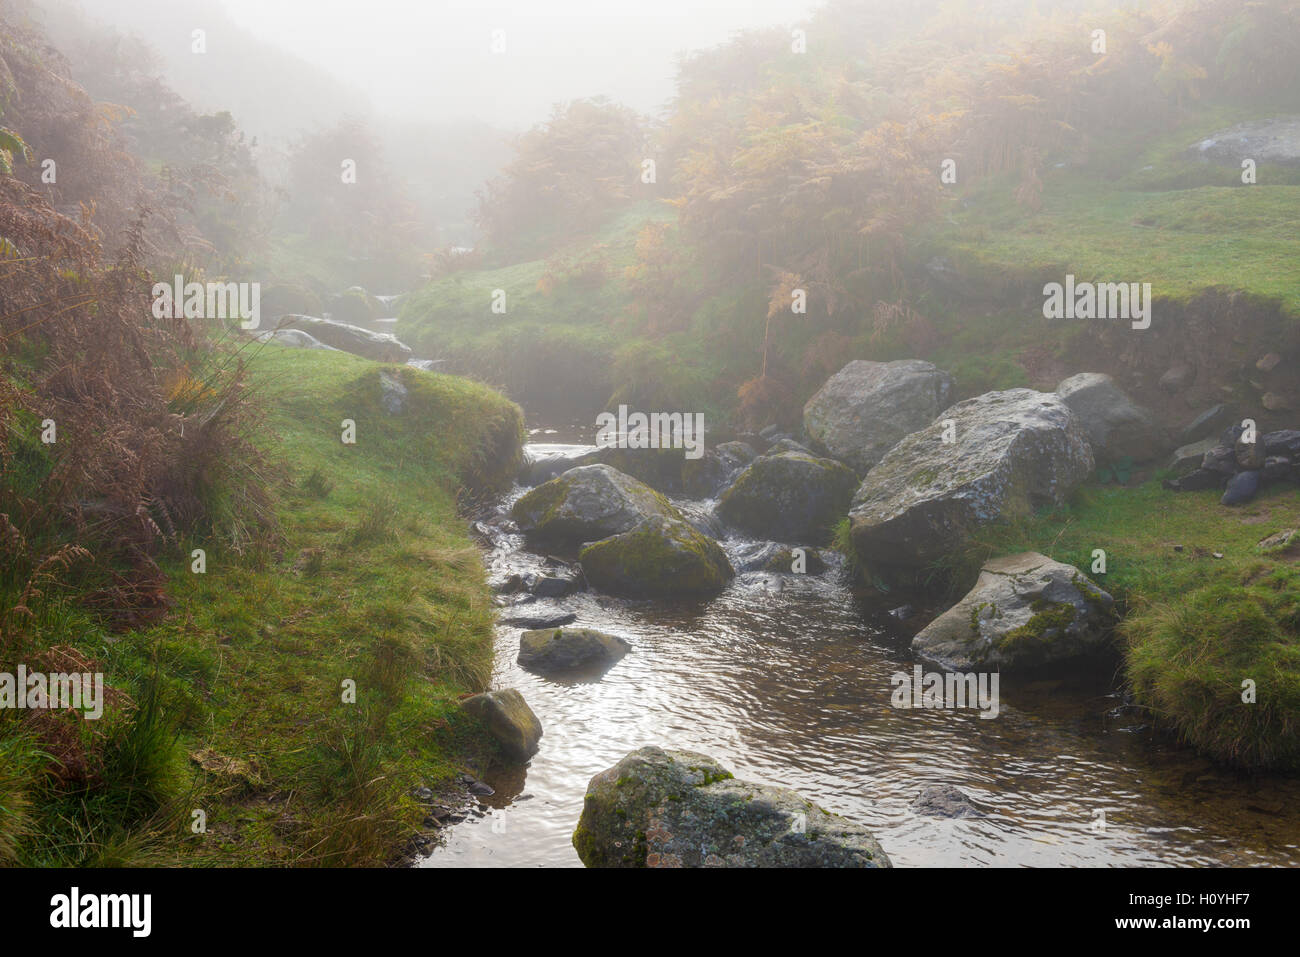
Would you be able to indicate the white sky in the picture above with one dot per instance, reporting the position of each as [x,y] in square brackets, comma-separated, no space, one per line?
[432,57]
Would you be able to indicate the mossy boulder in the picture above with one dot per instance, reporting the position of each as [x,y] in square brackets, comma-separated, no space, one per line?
[509,720]
[1026,612]
[551,651]
[789,497]
[588,503]
[992,458]
[661,557]
[658,808]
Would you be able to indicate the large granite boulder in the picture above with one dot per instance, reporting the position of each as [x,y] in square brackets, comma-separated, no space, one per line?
[659,808]
[790,497]
[1116,426]
[661,557]
[587,503]
[1026,612]
[551,651]
[1011,452]
[509,720]
[864,409]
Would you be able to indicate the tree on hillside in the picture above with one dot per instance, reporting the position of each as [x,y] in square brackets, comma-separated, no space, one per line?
[567,173]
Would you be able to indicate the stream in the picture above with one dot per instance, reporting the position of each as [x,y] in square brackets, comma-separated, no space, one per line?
[785,681]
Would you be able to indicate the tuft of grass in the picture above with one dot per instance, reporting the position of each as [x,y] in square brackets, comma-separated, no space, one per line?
[1221,666]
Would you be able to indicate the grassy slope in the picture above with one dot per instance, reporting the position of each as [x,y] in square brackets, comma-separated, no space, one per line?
[254,653]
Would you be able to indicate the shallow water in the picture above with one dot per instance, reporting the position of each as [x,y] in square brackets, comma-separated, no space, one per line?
[783,680]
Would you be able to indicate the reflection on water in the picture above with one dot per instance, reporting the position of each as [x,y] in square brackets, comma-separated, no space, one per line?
[781,679]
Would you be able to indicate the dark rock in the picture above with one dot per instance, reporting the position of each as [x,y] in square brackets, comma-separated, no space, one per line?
[1241,488]
[555,586]
[1286,442]
[380,346]
[1221,459]
[556,620]
[1189,457]
[557,650]
[1117,427]
[944,800]
[588,503]
[508,719]
[659,557]
[1277,468]
[790,496]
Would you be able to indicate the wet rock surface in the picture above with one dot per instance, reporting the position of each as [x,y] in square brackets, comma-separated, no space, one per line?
[658,808]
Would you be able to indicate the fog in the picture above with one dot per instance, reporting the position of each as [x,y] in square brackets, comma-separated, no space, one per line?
[432,61]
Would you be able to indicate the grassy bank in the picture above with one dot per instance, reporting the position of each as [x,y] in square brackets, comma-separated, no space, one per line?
[233,705]
[1206,608]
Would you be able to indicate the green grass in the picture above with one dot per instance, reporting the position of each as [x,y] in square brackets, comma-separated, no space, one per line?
[566,318]
[1216,232]
[1195,626]
[371,579]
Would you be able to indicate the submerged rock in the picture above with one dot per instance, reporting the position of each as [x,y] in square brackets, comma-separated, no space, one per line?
[557,650]
[944,800]
[552,620]
[790,497]
[658,808]
[509,720]
[1116,426]
[1013,451]
[867,407]
[1026,611]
